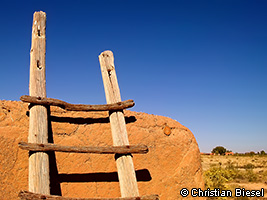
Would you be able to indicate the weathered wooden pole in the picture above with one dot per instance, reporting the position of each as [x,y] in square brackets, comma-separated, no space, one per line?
[38,128]
[126,172]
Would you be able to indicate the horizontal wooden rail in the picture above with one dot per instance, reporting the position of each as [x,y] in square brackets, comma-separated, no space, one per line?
[76,107]
[25,195]
[142,149]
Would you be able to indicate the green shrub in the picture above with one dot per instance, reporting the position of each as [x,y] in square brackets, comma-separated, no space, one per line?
[230,165]
[215,178]
[251,176]
[248,175]
[249,166]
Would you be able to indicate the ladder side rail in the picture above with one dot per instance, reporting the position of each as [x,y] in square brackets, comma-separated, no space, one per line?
[125,167]
[39,180]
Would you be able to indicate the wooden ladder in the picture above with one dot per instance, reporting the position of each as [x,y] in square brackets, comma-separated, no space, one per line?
[38,146]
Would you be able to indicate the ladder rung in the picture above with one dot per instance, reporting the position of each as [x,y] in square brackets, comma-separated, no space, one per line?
[140,148]
[25,195]
[76,107]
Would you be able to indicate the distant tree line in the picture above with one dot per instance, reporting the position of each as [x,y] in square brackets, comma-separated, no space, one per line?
[252,153]
[220,150]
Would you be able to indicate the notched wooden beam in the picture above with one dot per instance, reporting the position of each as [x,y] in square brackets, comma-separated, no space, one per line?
[25,195]
[76,107]
[140,148]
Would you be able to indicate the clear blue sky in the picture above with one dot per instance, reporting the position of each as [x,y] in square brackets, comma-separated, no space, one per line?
[202,63]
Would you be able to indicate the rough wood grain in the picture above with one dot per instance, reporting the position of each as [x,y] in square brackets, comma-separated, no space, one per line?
[25,195]
[87,149]
[76,107]
[126,173]
[38,124]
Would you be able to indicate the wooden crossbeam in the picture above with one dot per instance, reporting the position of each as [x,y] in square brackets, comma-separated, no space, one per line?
[25,195]
[142,149]
[76,107]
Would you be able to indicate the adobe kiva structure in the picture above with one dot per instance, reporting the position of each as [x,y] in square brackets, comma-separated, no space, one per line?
[172,162]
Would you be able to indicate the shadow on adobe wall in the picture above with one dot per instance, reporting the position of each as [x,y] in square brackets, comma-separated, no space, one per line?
[80,120]
[141,175]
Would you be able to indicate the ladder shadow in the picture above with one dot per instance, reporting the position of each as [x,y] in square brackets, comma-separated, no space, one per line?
[55,188]
[80,120]
[142,175]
